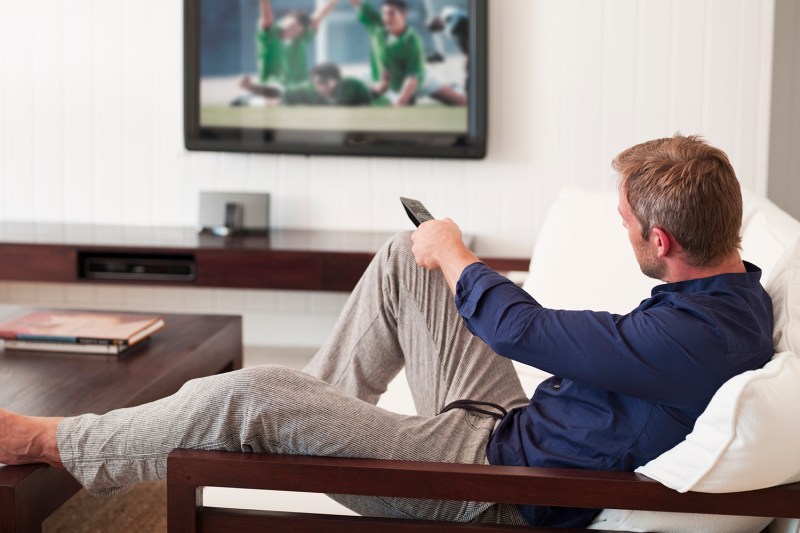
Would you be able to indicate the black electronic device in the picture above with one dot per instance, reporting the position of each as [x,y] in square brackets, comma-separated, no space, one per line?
[237,100]
[416,211]
[136,267]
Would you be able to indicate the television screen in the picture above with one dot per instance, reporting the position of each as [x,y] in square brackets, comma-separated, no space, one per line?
[351,77]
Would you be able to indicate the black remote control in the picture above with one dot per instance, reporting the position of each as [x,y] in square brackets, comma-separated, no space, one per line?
[416,211]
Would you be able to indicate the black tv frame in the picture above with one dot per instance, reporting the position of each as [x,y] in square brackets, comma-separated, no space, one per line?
[471,145]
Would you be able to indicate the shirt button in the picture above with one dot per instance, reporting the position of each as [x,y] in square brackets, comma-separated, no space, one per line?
[557,386]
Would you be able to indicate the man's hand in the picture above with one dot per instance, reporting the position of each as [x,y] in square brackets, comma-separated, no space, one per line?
[382,85]
[379,88]
[323,11]
[439,245]
[267,16]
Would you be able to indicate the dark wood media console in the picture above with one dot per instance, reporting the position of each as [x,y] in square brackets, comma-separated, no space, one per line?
[314,260]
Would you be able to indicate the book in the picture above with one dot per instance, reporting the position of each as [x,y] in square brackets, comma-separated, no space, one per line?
[105,349]
[78,331]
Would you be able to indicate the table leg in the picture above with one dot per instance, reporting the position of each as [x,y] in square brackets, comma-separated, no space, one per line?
[24,506]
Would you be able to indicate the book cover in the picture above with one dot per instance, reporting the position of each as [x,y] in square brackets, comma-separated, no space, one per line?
[80,327]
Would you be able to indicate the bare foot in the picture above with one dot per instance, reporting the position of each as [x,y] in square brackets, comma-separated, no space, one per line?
[28,439]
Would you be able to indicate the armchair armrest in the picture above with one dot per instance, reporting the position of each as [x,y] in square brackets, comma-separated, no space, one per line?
[190,470]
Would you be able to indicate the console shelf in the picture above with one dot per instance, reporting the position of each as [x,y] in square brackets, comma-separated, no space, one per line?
[314,260]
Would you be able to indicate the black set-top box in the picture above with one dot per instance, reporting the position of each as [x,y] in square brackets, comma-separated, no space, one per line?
[137,267]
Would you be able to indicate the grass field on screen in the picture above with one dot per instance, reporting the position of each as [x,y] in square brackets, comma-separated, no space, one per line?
[423,118]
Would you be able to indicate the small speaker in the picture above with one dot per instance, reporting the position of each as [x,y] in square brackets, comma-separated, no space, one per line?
[224,213]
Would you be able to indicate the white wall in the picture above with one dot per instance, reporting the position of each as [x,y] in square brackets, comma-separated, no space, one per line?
[90,131]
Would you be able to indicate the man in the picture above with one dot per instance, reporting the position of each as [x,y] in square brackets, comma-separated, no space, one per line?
[397,56]
[455,22]
[625,389]
[326,87]
[283,44]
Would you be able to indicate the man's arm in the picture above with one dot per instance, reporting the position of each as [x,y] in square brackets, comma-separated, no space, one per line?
[381,86]
[413,70]
[322,11]
[439,245]
[640,354]
[267,16]
[649,353]
[261,90]
[367,15]
[407,91]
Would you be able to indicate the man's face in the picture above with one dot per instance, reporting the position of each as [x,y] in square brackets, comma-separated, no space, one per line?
[651,265]
[325,87]
[394,19]
[290,28]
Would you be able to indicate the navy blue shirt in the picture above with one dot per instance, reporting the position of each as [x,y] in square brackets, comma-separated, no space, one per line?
[626,388]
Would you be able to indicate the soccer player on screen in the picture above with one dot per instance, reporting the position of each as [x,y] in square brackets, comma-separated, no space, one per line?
[283,44]
[397,56]
[326,87]
[454,22]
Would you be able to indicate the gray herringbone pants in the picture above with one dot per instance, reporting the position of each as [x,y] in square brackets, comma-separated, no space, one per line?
[399,316]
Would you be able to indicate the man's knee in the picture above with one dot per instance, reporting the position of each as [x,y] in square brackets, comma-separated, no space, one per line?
[240,384]
[267,378]
[401,241]
[399,248]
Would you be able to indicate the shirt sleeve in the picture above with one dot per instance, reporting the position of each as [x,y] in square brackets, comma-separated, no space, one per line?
[415,65]
[650,353]
[271,58]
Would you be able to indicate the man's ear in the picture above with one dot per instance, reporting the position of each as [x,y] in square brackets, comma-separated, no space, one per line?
[661,240]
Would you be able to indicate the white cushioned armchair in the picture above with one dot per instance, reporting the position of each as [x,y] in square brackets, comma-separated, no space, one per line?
[748,438]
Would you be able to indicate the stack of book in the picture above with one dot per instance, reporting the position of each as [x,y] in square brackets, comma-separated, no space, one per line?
[78,331]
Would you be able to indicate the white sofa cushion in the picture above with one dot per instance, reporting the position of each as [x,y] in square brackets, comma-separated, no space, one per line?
[762,246]
[622,520]
[746,439]
[768,233]
[784,288]
[582,258]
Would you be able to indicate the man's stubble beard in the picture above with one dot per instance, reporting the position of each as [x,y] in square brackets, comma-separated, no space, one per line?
[650,265]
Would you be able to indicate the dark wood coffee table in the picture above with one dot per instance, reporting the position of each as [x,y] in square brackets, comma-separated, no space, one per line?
[51,384]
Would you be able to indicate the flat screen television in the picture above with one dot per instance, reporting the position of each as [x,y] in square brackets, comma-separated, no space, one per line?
[349,77]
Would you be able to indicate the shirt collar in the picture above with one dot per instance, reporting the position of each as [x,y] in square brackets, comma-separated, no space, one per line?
[750,278]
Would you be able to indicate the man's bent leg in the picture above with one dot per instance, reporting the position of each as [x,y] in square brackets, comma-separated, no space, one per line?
[402,314]
[362,354]
[276,410]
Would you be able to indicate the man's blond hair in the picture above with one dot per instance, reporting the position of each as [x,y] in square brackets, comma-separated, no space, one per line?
[688,189]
